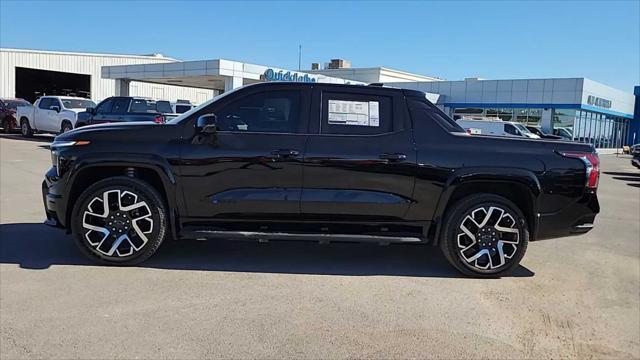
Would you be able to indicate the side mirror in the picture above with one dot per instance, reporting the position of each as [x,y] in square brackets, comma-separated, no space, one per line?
[207,123]
[55,108]
[91,110]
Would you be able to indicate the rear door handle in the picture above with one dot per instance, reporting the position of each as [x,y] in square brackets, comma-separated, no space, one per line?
[285,153]
[393,156]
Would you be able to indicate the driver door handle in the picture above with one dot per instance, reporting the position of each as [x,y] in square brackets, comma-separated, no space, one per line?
[285,153]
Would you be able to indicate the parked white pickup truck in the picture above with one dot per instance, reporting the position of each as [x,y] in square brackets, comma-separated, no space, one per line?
[51,114]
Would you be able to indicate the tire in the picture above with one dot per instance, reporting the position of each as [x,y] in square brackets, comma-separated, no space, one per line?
[66,126]
[6,126]
[25,128]
[127,233]
[492,249]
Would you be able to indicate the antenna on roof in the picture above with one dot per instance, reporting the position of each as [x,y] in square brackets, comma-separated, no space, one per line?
[299,56]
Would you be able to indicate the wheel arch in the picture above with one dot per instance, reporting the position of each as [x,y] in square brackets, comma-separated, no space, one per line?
[520,186]
[155,173]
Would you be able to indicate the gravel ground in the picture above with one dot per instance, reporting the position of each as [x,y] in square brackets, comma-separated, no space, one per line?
[576,297]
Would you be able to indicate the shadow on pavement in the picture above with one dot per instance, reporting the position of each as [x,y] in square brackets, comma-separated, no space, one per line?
[37,246]
[35,138]
[617,173]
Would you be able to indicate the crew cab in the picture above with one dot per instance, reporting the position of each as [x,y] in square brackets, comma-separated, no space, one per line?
[318,162]
[51,114]
[127,109]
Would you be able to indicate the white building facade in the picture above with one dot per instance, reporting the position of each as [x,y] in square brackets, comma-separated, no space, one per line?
[33,73]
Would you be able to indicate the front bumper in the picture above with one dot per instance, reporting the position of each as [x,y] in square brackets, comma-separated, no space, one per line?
[636,162]
[573,220]
[54,207]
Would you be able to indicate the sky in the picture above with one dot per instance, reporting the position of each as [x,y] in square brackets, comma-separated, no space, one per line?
[452,40]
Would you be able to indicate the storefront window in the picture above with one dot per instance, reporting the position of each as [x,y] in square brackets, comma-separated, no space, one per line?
[534,117]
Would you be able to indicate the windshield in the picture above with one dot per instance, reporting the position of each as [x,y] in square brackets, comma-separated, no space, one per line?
[13,104]
[201,106]
[523,129]
[150,106]
[77,103]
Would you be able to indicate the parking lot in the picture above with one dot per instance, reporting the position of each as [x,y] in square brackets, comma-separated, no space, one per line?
[576,297]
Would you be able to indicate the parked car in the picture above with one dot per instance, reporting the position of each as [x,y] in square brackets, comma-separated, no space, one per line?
[565,133]
[51,114]
[318,162]
[496,127]
[127,109]
[543,135]
[8,108]
[635,153]
[181,107]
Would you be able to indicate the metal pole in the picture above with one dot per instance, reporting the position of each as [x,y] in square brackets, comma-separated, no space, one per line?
[299,56]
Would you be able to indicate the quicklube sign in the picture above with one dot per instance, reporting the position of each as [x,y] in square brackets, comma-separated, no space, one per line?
[272,75]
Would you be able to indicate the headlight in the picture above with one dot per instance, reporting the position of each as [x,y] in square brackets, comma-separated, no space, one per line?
[59,144]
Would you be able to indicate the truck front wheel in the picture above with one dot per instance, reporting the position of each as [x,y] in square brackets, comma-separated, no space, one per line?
[119,221]
[484,235]
[25,128]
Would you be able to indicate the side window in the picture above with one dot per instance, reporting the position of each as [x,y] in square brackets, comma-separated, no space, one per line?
[105,107]
[510,129]
[120,106]
[356,114]
[270,111]
[45,103]
[421,111]
[55,102]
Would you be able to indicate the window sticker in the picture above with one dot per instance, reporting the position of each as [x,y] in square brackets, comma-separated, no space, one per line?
[358,113]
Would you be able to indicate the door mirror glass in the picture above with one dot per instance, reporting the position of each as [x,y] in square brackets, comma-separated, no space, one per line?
[55,108]
[207,123]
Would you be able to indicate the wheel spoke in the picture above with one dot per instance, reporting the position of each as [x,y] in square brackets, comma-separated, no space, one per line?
[117,212]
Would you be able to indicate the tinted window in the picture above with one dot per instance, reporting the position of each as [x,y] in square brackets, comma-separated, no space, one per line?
[356,114]
[120,106]
[273,111]
[77,104]
[45,103]
[105,107]
[150,106]
[180,109]
[510,129]
[13,104]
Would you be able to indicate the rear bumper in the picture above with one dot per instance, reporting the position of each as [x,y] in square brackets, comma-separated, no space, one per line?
[573,220]
[54,206]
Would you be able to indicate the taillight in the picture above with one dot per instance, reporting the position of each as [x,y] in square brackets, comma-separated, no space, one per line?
[158,119]
[592,163]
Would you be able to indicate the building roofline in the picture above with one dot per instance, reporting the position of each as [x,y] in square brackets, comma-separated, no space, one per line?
[377,68]
[87,54]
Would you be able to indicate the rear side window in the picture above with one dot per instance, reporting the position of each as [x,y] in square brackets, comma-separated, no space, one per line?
[356,114]
[13,105]
[269,111]
[181,109]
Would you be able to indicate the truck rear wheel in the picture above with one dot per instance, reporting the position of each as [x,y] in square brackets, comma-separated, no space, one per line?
[119,221]
[25,128]
[484,235]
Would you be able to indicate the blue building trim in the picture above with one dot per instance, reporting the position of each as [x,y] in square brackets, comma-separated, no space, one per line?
[634,127]
[528,105]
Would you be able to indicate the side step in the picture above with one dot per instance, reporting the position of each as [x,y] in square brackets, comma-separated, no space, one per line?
[319,237]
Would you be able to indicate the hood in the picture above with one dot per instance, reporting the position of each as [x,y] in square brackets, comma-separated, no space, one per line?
[140,131]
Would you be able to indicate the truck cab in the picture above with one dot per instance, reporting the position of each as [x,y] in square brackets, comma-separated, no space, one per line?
[51,114]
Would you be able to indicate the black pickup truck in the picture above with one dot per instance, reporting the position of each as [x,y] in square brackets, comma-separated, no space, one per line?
[320,162]
[127,109]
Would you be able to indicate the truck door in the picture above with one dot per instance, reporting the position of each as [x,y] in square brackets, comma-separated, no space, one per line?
[42,114]
[360,162]
[252,166]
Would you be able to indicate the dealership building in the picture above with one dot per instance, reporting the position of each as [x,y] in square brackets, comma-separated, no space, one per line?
[585,110]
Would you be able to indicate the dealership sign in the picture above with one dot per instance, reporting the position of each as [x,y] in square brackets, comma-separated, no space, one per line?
[599,102]
[280,75]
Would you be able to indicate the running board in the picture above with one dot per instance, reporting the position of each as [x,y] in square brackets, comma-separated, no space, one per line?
[319,237]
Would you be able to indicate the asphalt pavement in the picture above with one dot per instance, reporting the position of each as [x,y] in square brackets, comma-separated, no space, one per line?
[575,297]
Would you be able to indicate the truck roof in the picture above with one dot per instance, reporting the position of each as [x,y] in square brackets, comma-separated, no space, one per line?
[338,86]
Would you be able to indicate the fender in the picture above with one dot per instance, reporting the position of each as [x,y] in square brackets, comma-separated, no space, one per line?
[157,164]
[468,175]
